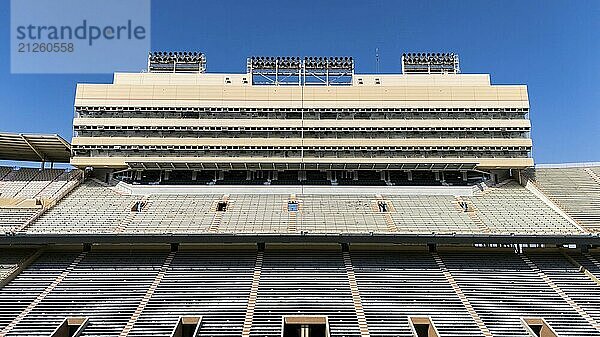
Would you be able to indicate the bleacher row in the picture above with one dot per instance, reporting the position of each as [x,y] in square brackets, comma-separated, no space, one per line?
[574,190]
[94,208]
[29,183]
[501,287]
[20,185]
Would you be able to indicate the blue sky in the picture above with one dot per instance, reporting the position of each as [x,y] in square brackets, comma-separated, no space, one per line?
[552,46]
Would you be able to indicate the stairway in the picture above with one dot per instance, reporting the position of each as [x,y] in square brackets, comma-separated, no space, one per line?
[43,294]
[157,279]
[253,294]
[463,299]
[358,307]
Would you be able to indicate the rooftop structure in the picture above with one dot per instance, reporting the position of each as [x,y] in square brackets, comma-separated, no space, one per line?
[34,147]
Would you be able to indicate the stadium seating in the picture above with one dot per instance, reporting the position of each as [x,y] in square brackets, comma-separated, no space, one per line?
[575,284]
[30,283]
[255,213]
[4,171]
[173,213]
[94,208]
[315,284]
[29,183]
[109,286]
[396,285]
[15,181]
[62,182]
[513,209]
[40,180]
[502,288]
[589,261]
[339,213]
[10,259]
[575,191]
[11,218]
[429,214]
[106,287]
[91,208]
[211,284]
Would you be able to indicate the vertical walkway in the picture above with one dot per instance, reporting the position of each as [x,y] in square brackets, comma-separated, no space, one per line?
[253,294]
[157,279]
[43,294]
[389,222]
[292,226]
[218,218]
[560,292]
[358,307]
[463,299]
[471,213]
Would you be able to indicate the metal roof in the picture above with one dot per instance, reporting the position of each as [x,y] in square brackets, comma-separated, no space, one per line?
[34,147]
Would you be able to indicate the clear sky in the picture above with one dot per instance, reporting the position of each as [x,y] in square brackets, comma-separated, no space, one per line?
[552,46]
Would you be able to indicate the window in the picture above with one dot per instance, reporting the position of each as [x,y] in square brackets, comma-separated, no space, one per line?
[70,327]
[537,327]
[305,326]
[187,326]
[423,327]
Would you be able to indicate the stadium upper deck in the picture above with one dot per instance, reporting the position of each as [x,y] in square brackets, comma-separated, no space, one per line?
[302,116]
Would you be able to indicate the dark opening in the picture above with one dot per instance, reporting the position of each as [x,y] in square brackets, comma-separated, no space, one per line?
[221,206]
[537,329]
[423,327]
[382,205]
[73,330]
[70,327]
[304,330]
[422,330]
[187,326]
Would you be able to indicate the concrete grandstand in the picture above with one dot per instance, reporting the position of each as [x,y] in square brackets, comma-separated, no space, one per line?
[298,199]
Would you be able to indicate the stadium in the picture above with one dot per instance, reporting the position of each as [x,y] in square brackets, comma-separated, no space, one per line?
[297,199]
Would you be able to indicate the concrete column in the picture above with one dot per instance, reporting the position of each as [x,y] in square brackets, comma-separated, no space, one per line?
[464,175]
[194,175]
[437,175]
[410,176]
[355,176]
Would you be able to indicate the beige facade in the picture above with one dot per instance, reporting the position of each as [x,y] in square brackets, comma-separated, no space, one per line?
[208,118]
